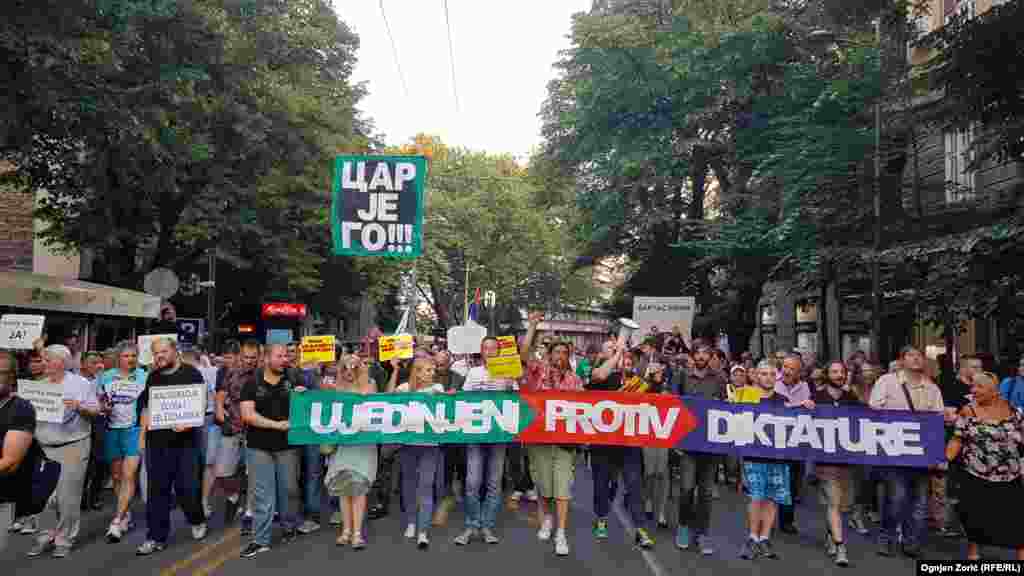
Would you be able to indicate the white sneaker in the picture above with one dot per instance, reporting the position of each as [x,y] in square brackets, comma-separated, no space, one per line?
[516,495]
[114,532]
[199,531]
[410,531]
[422,542]
[561,544]
[531,495]
[544,534]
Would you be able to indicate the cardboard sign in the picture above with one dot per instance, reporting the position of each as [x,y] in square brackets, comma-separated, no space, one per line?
[316,349]
[466,339]
[665,313]
[377,205]
[146,346]
[47,398]
[399,346]
[171,406]
[508,364]
[19,331]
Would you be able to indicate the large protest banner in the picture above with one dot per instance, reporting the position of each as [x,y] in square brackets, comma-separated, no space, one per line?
[843,435]
[377,205]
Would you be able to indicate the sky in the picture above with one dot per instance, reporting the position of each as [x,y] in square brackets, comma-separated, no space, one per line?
[504,53]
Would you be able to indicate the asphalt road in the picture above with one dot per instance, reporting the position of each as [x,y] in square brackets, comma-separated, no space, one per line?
[519,553]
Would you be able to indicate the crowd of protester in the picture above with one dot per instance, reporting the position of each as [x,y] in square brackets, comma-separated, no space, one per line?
[241,456]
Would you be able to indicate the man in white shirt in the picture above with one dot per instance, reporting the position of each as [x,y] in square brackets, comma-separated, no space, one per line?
[480,516]
[906,489]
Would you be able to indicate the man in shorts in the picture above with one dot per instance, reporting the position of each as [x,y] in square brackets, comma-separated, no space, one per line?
[232,442]
[552,466]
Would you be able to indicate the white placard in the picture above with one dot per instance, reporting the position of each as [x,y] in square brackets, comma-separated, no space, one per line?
[126,391]
[171,406]
[19,331]
[664,312]
[146,346]
[466,339]
[46,397]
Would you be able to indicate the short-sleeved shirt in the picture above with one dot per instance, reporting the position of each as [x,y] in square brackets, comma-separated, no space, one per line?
[17,415]
[232,384]
[273,402]
[991,450]
[123,394]
[542,376]
[185,375]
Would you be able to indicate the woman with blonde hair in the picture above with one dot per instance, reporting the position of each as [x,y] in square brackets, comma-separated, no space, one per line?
[352,469]
[419,461]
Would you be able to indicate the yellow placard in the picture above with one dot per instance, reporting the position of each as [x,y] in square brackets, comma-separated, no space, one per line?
[391,347]
[316,350]
[509,367]
[507,346]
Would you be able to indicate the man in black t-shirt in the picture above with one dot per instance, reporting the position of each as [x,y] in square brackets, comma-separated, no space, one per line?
[272,463]
[17,426]
[172,455]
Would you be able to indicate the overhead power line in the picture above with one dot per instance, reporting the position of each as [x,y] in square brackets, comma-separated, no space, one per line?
[394,50]
[451,55]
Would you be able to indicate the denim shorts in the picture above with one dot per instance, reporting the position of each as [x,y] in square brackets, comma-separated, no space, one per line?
[121,443]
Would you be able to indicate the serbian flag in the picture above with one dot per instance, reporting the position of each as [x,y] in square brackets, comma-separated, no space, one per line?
[474,307]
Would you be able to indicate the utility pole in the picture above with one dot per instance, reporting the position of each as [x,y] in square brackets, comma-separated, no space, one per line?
[876,272]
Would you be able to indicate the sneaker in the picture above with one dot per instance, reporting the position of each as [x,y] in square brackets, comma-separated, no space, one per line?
[601,529]
[490,537]
[358,543]
[114,532]
[308,527]
[830,544]
[790,529]
[29,526]
[466,537]
[335,519]
[856,522]
[253,549]
[41,547]
[951,532]
[289,536]
[751,549]
[561,544]
[683,537]
[531,495]
[767,550]
[410,532]
[643,539]
[61,551]
[422,541]
[246,528]
[344,538]
[704,543]
[149,547]
[199,531]
[544,534]
[841,558]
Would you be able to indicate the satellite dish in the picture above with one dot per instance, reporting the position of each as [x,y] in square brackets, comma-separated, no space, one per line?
[161,282]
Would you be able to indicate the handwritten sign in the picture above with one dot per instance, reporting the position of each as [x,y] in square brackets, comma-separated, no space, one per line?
[390,347]
[317,349]
[171,406]
[19,331]
[146,346]
[47,398]
[507,364]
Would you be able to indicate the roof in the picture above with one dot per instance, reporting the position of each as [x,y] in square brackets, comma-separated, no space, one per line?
[39,292]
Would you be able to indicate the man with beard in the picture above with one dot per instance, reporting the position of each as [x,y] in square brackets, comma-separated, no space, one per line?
[172,456]
[835,481]
[17,427]
[906,489]
[228,413]
[551,466]
[796,391]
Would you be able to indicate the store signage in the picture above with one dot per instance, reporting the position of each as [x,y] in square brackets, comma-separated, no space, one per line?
[284,309]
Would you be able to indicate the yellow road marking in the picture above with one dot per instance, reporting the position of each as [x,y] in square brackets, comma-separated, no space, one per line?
[204,551]
[232,552]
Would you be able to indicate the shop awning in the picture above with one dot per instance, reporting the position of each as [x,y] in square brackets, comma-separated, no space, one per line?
[38,292]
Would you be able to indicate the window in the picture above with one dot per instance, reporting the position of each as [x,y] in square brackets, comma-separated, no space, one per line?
[959,181]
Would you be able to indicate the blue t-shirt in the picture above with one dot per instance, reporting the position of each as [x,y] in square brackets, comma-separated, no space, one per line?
[1013,390]
[123,394]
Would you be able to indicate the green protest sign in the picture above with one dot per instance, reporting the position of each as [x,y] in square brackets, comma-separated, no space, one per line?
[377,205]
[327,417]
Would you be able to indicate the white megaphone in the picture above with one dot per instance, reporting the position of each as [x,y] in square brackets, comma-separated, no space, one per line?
[626,329]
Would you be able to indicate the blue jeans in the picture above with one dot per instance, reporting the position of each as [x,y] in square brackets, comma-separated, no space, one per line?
[485,466]
[906,506]
[270,477]
[606,463]
[312,482]
[419,472]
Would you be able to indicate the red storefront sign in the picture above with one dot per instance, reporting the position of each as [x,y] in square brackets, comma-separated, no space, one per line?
[284,309]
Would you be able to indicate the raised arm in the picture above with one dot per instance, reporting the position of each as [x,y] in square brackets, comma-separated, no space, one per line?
[602,372]
[535,318]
